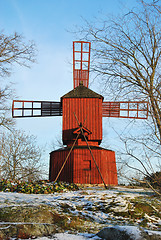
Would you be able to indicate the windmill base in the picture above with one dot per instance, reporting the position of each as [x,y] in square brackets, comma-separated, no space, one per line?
[80,166]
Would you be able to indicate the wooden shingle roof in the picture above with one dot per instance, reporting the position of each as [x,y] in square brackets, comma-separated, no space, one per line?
[82,92]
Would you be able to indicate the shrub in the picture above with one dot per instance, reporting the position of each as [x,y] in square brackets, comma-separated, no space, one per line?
[155,180]
[37,187]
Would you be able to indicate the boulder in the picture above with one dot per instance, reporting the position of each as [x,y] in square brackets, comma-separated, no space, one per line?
[128,233]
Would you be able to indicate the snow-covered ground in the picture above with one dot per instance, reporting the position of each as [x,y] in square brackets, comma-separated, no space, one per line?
[84,236]
[97,204]
[66,236]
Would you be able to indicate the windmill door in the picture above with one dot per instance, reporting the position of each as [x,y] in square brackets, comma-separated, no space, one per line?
[87,171]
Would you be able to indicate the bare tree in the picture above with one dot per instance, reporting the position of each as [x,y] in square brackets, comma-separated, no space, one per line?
[142,159]
[56,143]
[13,50]
[20,157]
[5,109]
[127,57]
[127,52]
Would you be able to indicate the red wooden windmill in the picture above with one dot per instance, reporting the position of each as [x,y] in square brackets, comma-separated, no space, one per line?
[82,160]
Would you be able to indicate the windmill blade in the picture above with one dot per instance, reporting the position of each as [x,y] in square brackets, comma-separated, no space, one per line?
[81,63]
[21,108]
[137,110]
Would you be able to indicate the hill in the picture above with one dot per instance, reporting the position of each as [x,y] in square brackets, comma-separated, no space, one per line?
[79,214]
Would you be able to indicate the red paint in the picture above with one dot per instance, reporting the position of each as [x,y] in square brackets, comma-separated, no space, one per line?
[82,108]
[80,167]
[88,111]
[81,63]
[125,109]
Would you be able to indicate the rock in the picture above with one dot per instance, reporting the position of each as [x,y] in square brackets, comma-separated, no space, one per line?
[127,233]
[112,233]
[26,221]
[25,231]
[34,221]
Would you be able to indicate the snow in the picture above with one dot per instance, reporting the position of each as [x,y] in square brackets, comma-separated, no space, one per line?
[153,232]
[66,236]
[75,199]
[88,203]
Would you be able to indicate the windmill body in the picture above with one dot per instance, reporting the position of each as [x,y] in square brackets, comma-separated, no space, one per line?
[82,160]
[87,106]
[80,167]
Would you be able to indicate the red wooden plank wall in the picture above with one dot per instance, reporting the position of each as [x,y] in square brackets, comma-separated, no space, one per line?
[80,167]
[108,167]
[57,159]
[88,111]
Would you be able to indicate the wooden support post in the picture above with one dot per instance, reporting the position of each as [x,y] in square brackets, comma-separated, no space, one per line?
[66,158]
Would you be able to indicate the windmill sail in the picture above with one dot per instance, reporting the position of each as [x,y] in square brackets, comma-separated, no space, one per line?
[81,63]
[137,110]
[21,108]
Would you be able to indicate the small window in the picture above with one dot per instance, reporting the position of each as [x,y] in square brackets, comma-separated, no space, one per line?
[87,165]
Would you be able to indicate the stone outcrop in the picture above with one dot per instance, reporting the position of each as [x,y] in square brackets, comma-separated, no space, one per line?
[127,233]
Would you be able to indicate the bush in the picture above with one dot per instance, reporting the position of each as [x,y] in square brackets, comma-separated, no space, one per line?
[37,187]
[155,180]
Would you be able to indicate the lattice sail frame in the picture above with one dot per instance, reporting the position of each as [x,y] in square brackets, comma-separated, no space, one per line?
[125,109]
[22,108]
[81,63]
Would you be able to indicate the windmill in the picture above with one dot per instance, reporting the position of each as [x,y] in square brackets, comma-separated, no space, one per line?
[82,160]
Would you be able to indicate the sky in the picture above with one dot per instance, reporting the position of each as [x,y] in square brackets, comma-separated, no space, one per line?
[49,23]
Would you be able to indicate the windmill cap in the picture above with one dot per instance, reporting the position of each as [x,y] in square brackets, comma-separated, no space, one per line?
[82,92]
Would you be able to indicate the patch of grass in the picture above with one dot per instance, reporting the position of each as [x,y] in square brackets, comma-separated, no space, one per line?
[144,223]
[66,208]
[142,207]
[121,214]
[79,208]
[84,193]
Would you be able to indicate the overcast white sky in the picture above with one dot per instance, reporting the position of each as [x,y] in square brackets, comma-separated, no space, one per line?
[46,22]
